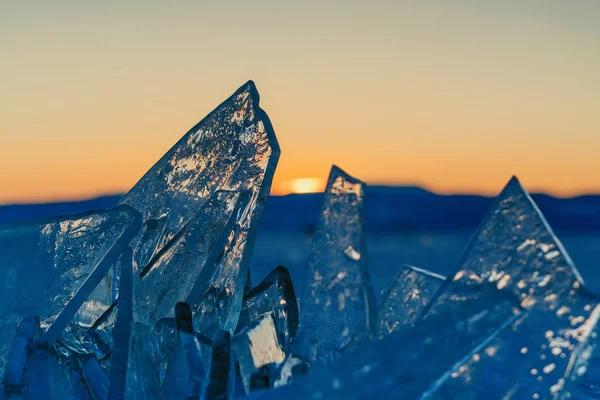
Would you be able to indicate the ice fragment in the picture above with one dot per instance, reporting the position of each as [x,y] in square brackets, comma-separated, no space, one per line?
[410,292]
[338,296]
[256,347]
[274,294]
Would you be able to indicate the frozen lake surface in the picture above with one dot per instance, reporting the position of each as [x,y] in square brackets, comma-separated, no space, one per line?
[438,252]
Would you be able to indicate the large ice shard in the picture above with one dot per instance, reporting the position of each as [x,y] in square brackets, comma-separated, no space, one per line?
[233,148]
[404,302]
[275,294]
[258,352]
[514,321]
[338,296]
[546,349]
[51,267]
[233,151]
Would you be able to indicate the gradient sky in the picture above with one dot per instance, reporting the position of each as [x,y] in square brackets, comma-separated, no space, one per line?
[454,98]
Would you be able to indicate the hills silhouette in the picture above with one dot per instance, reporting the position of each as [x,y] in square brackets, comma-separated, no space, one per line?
[389,209]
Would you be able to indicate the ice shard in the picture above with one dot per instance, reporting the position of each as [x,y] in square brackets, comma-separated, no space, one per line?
[411,291]
[338,296]
[51,267]
[546,350]
[122,330]
[402,304]
[258,352]
[513,321]
[233,148]
[274,294]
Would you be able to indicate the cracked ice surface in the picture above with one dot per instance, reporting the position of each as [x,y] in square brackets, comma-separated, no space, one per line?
[411,291]
[338,296]
[50,267]
[514,321]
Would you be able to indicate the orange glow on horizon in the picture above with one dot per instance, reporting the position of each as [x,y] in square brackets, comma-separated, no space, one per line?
[299,186]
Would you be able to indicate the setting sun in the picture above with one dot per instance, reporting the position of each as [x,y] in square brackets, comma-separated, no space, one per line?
[300,185]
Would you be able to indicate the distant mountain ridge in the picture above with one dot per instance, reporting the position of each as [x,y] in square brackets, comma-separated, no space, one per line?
[22,212]
[390,209]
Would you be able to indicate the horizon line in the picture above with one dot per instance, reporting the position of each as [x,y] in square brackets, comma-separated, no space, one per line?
[93,197]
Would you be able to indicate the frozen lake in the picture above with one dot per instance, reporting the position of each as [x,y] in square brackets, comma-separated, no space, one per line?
[438,252]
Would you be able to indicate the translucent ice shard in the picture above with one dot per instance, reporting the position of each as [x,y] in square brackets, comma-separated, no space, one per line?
[221,379]
[274,294]
[258,353]
[404,302]
[51,267]
[233,148]
[338,295]
[545,351]
[122,330]
[513,321]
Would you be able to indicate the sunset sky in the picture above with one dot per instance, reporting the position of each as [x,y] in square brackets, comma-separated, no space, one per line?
[453,98]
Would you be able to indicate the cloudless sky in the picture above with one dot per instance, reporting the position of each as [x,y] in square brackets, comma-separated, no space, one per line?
[455,96]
